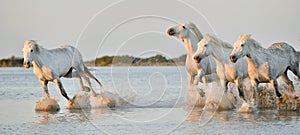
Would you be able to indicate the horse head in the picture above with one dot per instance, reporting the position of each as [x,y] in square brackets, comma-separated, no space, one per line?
[184,31]
[241,47]
[204,49]
[29,51]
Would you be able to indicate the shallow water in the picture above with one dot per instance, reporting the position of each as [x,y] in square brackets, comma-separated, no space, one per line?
[157,107]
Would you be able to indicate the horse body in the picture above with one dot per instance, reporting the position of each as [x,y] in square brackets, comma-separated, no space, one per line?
[51,65]
[265,65]
[59,65]
[226,70]
[197,72]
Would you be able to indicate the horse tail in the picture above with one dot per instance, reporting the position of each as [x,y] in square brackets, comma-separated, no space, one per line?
[294,54]
[89,74]
[294,61]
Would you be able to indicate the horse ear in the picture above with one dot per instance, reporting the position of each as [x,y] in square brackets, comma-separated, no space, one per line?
[245,36]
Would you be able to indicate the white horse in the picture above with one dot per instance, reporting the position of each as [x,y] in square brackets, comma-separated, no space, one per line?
[51,65]
[265,65]
[206,70]
[226,70]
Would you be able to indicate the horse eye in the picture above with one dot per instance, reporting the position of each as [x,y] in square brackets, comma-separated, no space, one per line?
[183,27]
[31,50]
[205,45]
[242,45]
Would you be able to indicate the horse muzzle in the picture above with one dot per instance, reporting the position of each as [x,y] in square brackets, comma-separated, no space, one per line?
[233,58]
[171,32]
[26,64]
[197,59]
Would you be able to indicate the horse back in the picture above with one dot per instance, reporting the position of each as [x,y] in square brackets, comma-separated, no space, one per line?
[283,49]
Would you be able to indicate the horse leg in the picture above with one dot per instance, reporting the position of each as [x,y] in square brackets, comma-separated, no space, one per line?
[87,81]
[226,86]
[89,74]
[44,86]
[286,79]
[275,85]
[190,82]
[254,89]
[62,90]
[75,74]
[295,69]
[239,84]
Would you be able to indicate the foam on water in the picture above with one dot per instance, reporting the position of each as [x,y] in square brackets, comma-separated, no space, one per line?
[287,102]
[194,98]
[104,99]
[213,99]
[247,108]
[47,105]
[216,99]
[80,101]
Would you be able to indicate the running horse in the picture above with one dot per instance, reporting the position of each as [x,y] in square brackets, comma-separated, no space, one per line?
[227,71]
[265,65]
[205,71]
[51,65]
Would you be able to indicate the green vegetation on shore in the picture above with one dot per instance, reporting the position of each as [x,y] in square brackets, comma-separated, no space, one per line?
[157,60]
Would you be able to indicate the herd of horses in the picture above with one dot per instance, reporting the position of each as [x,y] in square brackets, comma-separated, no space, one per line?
[208,59]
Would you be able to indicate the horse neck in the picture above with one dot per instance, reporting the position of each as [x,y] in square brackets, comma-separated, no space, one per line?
[221,55]
[191,44]
[257,57]
[40,57]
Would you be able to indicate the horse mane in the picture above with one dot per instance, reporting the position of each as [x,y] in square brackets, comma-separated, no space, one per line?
[36,46]
[217,41]
[255,43]
[195,30]
[247,37]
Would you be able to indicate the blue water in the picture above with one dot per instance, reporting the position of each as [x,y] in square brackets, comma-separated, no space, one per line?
[157,107]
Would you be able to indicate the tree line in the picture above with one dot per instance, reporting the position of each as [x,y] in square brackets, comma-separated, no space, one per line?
[157,60]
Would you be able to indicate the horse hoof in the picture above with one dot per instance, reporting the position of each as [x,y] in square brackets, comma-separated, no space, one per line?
[202,94]
[70,102]
[94,94]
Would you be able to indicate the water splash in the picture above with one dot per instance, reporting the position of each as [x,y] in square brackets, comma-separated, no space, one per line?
[213,99]
[50,105]
[80,101]
[287,102]
[216,99]
[194,98]
[247,108]
[108,99]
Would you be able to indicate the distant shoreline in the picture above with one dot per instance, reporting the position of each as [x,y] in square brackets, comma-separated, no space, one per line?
[157,60]
[125,60]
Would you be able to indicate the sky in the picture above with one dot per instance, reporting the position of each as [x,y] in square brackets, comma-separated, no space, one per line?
[138,27]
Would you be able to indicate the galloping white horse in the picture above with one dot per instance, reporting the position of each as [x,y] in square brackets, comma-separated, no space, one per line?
[227,71]
[206,69]
[50,65]
[266,64]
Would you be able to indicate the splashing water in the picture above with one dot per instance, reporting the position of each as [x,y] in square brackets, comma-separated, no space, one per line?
[47,105]
[213,99]
[246,108]
[194,98]
[109,98]
[216,99]
[287,102]
[80,101]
